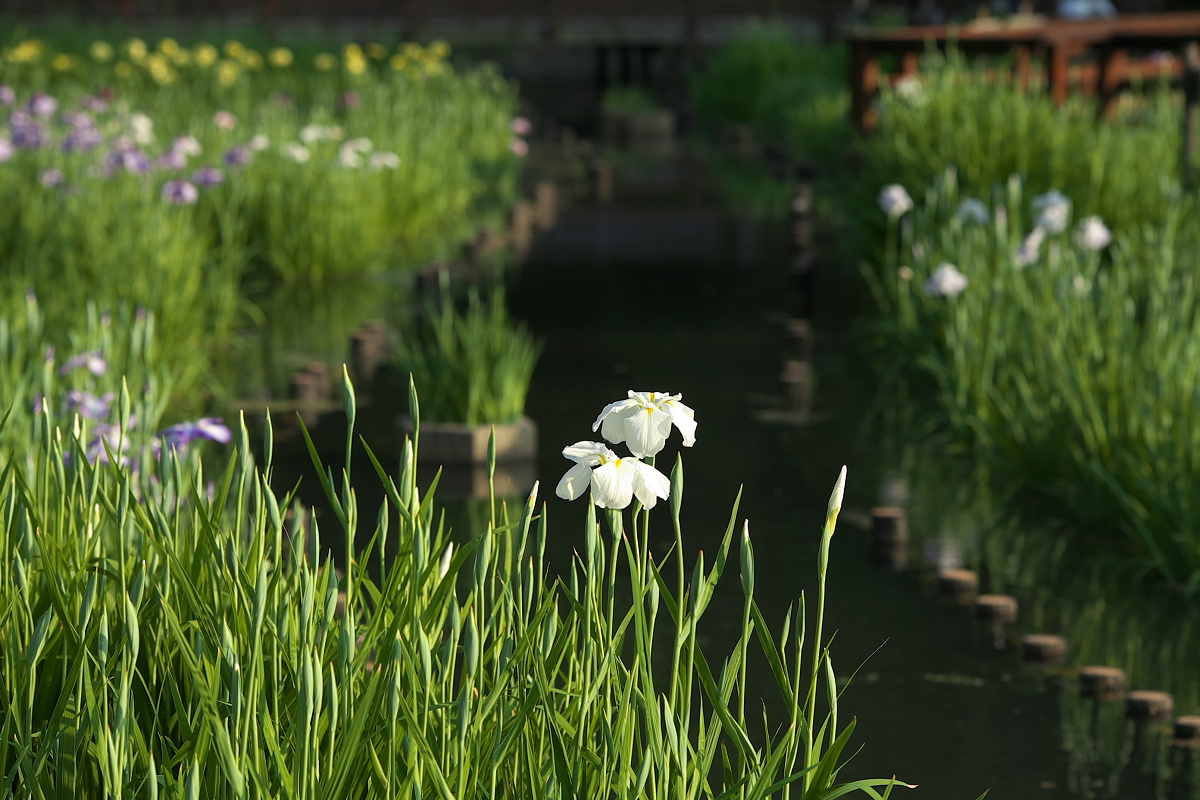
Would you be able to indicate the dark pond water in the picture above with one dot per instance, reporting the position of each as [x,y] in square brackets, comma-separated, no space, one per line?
[664,291]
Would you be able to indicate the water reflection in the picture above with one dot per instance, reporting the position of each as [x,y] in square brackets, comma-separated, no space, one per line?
[941,704]
[1105,611]
[298,324]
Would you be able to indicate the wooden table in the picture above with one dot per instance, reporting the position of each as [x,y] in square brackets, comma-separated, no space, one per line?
[1105,42]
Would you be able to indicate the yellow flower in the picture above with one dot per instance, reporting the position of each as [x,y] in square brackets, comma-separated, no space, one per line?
[182,56]
[168,46]
[356,64]
[159,69]
[101,51]
[412,51]
[280,57]
[62,62]
[136,49]
[26,52]
[227,72]
[123,69]
[163,74]
[253,60]
[325,61]
[205,54]
[376,51]
[440,48]
[398,62]
[235,49]
[434,68]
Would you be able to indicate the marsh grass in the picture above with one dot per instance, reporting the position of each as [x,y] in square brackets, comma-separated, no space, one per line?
[476,363]
[988,128]
[1063,587]
[106,234]
[196,646]
[1075,376]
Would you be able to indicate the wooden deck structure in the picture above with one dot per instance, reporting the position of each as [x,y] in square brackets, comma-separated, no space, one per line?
[1097,56]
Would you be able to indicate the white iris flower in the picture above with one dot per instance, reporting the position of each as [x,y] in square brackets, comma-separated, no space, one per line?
[972,209]
[894,201]
[946,281]
[614,481]
[644,420]
[1054,211]
[1093,234]
[1029,251]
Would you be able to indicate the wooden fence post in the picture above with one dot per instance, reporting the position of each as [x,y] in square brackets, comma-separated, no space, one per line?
[864,82]
[1191,113]
[1059,72]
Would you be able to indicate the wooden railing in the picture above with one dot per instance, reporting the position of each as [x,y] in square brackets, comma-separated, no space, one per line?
[415,13]
[1107,49]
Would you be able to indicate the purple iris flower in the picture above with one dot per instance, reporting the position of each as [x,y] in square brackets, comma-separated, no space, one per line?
[181,435]
[237,156]
[7,96]
[181,193]
[94,104]
[51,177]
[208,177]
[25,132]
[173,159]
[28,136]
[89,405]
[78,119]
[93,361]
[105,434]
[43,105]
[135,161]
[82,140]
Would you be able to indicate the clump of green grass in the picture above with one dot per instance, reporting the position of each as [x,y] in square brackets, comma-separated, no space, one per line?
[1074,374]
[204,646]
[988,128]
[476,364]
[760,74]
[629,99]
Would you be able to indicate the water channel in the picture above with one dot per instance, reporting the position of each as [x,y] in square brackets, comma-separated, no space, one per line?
[664,289]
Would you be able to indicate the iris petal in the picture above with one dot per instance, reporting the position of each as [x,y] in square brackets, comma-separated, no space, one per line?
[646,431]
[612,485]
[649,485]
[575,482]
[684,419]
[590,453]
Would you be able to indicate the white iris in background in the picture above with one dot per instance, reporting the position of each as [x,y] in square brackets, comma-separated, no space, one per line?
[894,201]
[351,152]
[1029,251]
[141,128]
[910,90]
[384,160]
[296,152]
[972,210]
[644,420]
[1093,234]
[614,481]
[188,145]
[1054,211]
[946,281]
